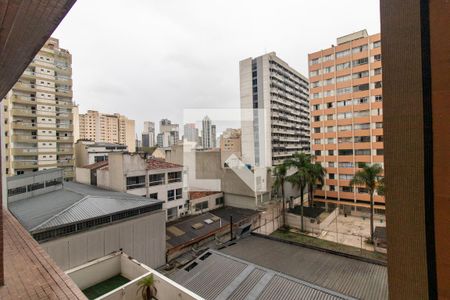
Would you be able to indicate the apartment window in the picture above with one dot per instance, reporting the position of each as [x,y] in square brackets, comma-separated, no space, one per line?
[179,193]
[332,188]
[329,81]
[153,196]
[378,125]
[362,100]
[359,49]
[317,153]
[331,164]
[377,71]
[331,129]
[344,90]
[135,182]
[317,141]
[379,138]
[378,85]
[317,95]
[329,93]
[345,165]
[362,190]
[360,75]
[316,118]
[380,152]
[328,69]
[331,176]
[344,127]
[53,182]
[346,115]
[314,73]
[170,195]
[342,140]
[156,179]
[347,189]
[378,98]
[220,201]
[360,62]
[315,61]
[344,103]
[330,117]
[174,177]
[342,53]
[343,66]
[330,152]
[361,87]
[345,176]
[317,130]
[377,57]
[345,152]
[362,139]
[343,78]
[361,113]
[316,107]
[362,152]
[201,206]
[316,84]
[362,126]
[377,44]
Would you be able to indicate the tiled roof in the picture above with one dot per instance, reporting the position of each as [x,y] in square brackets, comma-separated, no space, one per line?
[156,164]
[96,165]
[200,194]
[29,272]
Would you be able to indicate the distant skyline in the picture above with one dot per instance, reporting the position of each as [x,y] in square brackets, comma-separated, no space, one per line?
[166,56]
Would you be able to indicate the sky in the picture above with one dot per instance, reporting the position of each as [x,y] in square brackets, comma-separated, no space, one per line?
[153,59]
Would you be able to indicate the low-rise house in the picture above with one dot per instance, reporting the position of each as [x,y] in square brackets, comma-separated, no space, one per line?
[203,201]
[76,223]
[148,177]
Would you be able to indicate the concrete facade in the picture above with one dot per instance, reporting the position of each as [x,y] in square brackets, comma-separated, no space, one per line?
[275,110]
[109,128]
[88,152]
[38,115]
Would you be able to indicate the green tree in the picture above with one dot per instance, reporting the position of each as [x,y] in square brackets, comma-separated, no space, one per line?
[369,177]
[279,173]
[301,162]
[147,288]
[316,175]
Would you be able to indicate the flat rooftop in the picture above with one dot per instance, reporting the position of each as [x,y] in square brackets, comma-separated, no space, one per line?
[351,277]
[215,275]
[181,232]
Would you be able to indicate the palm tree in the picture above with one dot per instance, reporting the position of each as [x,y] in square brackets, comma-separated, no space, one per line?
[280,178]
[301,162]
[147,288]
[369,177]
[316,174]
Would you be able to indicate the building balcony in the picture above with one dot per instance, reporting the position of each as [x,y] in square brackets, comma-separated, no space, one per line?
[24,99]
[65,139]
[63,151]
[64,92]
[23,112]
[26,164]
[25,87]
[117,275]
[24,126]
[65,163]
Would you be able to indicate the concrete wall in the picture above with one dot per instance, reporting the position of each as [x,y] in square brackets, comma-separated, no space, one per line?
[143,238]
[294,221]
[83,175]
[211,203]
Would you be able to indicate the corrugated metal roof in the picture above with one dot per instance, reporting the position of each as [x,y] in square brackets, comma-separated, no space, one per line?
[359,279]
[220,276]
[73,203]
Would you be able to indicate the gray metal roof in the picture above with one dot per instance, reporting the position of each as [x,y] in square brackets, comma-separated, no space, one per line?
[220,276]
[348,276]
[75,202]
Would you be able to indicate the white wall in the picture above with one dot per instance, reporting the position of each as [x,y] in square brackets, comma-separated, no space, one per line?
[83,175]
[143,238]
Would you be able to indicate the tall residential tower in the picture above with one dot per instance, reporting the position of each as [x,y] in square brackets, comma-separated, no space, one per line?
[347,115]
[109,128]
[275,110]
[38,115]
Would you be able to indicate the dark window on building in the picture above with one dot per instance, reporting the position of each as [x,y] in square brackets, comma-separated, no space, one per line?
[17,191]
[219,201]
[317,153]
[153,196]
[330,152]
[156,179]
[345,152]
[201,205]
[331,176]
[56,181]
[380,152]
[179,193]
[170,195]
[135,182]
[174,177]
[332,188]
[35,186]
[362,152]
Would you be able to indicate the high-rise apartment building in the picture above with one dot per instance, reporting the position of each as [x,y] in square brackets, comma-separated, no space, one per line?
[169,133]
[213,136]
[190,132]
[347,114]
[38,115]
[148,134]
[207,142]
[109,128]
[275,110]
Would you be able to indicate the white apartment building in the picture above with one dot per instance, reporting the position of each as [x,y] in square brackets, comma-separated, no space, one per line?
[108,128]
[208,133]
[190,133]
[168,133]
[275,110]
[146,177]
[37,115]
[148,134]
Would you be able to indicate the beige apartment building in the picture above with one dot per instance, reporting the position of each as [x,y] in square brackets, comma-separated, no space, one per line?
[107,128]
[230,144]
[347,115]
[38,115]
